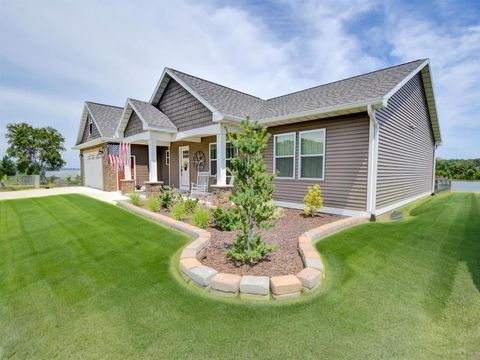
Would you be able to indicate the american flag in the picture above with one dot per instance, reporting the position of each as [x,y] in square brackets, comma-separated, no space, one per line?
[118,154]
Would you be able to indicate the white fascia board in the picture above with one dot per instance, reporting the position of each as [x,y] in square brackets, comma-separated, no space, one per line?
[376,103]
[123,118]
[323,209]
[158,85]
[199,132]
[83,121]
[93,142]
[146,135]
[401,203]
[405,80]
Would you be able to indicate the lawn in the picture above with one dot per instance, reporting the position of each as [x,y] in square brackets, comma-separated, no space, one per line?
[85,279]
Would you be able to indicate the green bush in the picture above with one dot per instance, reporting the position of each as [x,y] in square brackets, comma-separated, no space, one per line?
[166,197]
[223,219]
[154,204]
[178,211]
[135,199]
[313,200]
[190,205]
[201,217]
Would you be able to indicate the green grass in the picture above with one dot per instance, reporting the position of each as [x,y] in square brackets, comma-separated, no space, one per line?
[84,279]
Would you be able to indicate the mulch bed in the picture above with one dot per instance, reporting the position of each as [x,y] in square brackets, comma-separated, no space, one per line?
[283,261]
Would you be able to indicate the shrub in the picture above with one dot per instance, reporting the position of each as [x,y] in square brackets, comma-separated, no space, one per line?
[135,199]
[253,207]
[313,200]
[178,211]
[223,219]
[154,203]
[201,217]
[166,197]
[190,205]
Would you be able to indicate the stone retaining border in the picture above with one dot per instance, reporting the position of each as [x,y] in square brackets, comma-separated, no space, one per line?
[248,286]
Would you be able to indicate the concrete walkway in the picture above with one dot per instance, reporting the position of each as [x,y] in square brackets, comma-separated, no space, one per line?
[111,197]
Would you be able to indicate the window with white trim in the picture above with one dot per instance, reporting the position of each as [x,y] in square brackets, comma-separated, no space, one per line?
[167,157]
[90,125]
[312,154]
[212,152]
[284,155]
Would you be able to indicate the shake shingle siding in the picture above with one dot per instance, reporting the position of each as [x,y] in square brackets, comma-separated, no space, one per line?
[406,146]
[183,109]
[134,125]
[346,162]
[86,135]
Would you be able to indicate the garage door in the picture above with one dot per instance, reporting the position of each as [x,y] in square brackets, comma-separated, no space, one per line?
[93,170]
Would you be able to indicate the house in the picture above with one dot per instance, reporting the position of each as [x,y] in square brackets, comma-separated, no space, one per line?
[368,140]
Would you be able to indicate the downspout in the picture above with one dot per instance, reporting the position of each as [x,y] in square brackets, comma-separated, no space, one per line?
[434,167]
[372,164]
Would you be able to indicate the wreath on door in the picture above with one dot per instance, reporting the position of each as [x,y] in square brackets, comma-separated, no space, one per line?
[199,160]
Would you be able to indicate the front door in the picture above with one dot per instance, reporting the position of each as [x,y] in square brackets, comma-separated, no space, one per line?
[184,165]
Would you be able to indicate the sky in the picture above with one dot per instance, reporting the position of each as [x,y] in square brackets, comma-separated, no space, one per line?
[54,55]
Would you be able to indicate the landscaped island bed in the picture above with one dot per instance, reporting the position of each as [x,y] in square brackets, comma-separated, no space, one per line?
[284,260]
[85,279]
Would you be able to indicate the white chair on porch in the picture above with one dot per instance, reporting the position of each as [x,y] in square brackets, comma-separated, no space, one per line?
[200,188]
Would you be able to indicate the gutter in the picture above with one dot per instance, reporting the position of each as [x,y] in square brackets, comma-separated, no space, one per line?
[372,163]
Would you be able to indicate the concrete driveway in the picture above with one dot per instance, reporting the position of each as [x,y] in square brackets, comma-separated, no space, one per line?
[111,197]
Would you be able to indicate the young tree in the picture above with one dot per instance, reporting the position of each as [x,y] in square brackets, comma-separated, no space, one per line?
[253,208]
[35,149]
[7,167]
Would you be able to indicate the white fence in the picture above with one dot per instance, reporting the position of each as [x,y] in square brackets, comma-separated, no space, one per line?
[463,185]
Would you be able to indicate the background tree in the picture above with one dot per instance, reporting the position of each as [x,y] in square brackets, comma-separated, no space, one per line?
[35,149]
[458,169]
[253,208]
[7,167]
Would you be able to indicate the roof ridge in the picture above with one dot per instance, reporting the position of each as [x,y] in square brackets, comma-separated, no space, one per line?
[102,104]
[214,83]
[348,78]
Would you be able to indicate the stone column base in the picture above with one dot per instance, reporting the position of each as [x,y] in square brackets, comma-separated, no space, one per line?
[221,193]
[127,186]
[153,188]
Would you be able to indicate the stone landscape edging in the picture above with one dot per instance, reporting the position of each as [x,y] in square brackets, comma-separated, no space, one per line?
[250,286]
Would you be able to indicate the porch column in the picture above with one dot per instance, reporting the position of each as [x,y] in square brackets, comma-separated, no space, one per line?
[152,160]
[128,166]
[221,157]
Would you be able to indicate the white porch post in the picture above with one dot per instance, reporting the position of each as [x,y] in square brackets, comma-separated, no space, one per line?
[152,160]
[128,166]
[221,157]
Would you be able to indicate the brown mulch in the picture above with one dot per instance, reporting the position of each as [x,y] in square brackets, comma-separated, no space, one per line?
[285,260]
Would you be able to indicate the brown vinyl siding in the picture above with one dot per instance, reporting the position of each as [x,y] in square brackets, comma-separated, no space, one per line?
[162,167]
[193,147]
[141,162]
[346,162]
[94,135]
[183,109]
[134,125]
[406,146]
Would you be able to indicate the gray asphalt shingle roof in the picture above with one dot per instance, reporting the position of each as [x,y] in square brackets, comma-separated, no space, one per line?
[364,87]
[106,117]
[152,115]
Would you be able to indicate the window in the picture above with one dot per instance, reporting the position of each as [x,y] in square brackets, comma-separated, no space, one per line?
[90,126]
[230,153]
[167,157]
[284,159]
[212,149]
[312,154]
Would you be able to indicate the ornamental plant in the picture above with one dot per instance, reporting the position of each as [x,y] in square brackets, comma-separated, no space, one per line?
[313,200]
[201,217]
[135,198]
[253,208]
[154,204]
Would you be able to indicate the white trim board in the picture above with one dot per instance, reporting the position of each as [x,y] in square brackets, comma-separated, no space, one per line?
[401,203]
[324,209]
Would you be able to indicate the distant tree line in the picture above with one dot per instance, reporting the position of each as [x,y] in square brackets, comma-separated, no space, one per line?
[458,169]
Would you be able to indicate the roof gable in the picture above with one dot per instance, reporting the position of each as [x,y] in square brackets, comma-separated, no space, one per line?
[105,118]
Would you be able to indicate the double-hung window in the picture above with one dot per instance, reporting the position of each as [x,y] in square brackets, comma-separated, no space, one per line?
[312,154]
[167,157]
[212,150]
[231,152]
[284,159]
